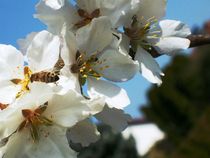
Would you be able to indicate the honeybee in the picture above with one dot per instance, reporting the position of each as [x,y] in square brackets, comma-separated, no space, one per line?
[43,76]
[46,76]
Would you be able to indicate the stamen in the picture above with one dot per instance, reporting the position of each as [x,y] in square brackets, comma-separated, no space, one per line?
[25,82]
[34,119]
[142,29]
[84,66]
[86,17]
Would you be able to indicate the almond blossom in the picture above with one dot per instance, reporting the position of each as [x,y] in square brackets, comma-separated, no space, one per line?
[56,13]
[33,130]
[142,32]
[91,61]
[89,57]
[145,33]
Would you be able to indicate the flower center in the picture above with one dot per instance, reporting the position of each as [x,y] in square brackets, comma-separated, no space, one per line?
[34,119]
[86,17]
[85,67]
[139,28]
[140,31]
[24,82]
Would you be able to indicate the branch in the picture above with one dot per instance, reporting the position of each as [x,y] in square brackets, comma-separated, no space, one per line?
[199,40]
[138,121]
[196,41]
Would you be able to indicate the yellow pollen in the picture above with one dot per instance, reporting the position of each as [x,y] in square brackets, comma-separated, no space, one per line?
[25,82]
[85,67]
[85,76]
[140,28]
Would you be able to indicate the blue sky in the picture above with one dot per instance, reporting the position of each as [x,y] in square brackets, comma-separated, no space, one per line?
[16,21]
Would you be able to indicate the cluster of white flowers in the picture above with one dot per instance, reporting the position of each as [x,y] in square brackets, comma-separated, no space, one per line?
[62,78]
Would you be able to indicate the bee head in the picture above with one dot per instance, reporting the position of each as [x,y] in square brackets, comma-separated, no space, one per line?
[57,77]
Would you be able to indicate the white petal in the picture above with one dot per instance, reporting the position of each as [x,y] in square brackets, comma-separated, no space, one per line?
[150,8]
[96,105]
[2,151]
[125,43]
[149,68]
[65,84]
[16,146]
[10,119]
[95,37]
[66,110]
[25,43]
[116,40]
[120,66]
[175,28]
[119,12]
[55,18]
[54,145]
[43,52]
[8,92]
[84,133]
[114,95]
[88,5]
[116,118]
[11,62]
[69,47]
[39,94]
[55,4]
[171,45]
[173,37]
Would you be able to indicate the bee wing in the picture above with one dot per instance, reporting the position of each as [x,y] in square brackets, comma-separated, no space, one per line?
[58,66]
[56,69]
[60,63]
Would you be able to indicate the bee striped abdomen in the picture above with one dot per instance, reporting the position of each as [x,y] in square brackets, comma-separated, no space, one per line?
[47,77]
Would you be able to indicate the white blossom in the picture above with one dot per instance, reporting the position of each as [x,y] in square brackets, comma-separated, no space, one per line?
[57,13]
[146,33]
[90,57]
[40,130]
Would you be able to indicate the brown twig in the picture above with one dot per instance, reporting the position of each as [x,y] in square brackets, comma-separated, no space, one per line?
[196,41]
[199,40]
[138,121]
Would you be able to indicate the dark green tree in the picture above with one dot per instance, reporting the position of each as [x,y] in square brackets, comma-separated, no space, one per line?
[197,144]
